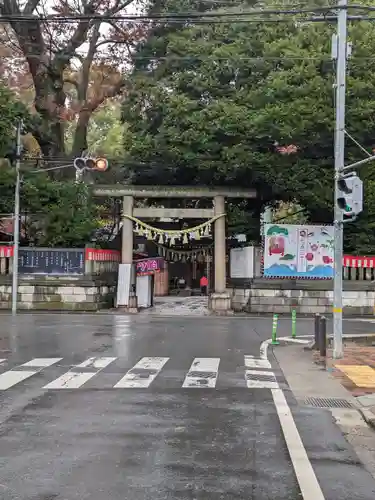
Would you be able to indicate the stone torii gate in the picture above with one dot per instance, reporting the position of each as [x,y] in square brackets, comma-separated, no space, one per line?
[219,300]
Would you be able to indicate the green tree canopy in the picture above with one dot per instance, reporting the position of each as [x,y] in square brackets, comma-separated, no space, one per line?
[214,103]
[11,110]
[55,213]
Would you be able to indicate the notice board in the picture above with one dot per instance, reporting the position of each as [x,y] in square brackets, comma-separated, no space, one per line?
[51,261]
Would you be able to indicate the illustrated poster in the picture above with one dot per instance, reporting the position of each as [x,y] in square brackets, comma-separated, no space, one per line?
[298,251]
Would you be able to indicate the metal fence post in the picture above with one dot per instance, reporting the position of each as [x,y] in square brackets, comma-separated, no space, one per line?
[316,331]
[323,337]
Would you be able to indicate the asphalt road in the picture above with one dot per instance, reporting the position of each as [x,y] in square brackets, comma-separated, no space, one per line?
[190,421]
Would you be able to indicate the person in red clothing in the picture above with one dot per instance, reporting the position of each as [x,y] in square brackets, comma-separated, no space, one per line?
[204,285]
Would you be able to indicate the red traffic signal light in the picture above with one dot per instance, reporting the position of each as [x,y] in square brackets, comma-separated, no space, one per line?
[87,163]
[101,164]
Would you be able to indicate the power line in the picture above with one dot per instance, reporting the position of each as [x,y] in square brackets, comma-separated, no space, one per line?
[280,58]
[195,21]
[190,21]
[201,57]
[62,18]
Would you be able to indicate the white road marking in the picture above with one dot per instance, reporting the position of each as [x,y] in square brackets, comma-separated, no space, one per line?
[70,380]
[2,361]
[264,349]
[203,373]
[142,374]
[296,341]
[96,363]
[365,320]
[252,381]
[305,474]
[251,362]
[42,362]
[75,379]
[12,377]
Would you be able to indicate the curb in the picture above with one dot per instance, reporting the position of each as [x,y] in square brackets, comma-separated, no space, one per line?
[367,413]
[368,416]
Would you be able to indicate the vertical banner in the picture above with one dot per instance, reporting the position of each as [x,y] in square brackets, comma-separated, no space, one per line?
[298,251]
[302,250]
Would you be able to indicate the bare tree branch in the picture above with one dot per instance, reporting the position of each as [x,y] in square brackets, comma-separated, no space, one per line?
[79,36]
[109,41]
[86,66]
[111,92]
[71,81]
[30,6]
[52,50]
[48,30]
[9,7]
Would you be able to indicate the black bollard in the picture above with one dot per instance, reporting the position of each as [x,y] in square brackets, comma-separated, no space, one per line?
[316,331]
[323,337]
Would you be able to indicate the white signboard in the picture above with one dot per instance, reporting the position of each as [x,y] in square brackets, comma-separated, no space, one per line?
[242,262]
[123,284]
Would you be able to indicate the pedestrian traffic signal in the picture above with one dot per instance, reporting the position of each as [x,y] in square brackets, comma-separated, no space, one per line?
[350,194]
[88,163]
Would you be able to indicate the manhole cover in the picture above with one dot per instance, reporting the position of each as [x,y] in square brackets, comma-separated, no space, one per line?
[328,403]
[261,378]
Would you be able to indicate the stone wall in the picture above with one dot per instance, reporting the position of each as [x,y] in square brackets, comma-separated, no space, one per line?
[307,297]
[251,296]
[53,293]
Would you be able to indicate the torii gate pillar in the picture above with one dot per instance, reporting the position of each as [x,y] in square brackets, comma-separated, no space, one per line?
[220,299]
[126,295]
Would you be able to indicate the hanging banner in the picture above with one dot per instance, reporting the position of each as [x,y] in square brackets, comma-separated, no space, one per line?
[298,251]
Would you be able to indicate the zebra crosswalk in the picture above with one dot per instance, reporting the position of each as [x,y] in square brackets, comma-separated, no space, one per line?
[142,374]
[13,377]
[204,373]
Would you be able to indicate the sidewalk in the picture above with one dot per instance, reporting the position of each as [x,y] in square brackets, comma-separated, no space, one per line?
[356,372]
[312,385]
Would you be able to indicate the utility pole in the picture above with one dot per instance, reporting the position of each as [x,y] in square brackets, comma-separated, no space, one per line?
[16,222]
[339,165]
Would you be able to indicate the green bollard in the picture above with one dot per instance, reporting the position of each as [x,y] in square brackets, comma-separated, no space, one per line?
[274,330]
[294,323]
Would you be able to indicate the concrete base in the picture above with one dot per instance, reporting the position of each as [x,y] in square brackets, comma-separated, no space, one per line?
[128,310]
[220,303]
[132,307]
[59,293]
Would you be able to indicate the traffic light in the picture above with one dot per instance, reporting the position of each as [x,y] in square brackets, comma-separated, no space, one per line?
[350,194]
[11,154]
[88,163]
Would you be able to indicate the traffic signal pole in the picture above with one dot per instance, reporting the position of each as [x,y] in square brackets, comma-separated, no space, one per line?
[16,221]
[339,166]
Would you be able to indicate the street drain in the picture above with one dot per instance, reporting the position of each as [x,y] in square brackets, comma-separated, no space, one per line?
[328,403]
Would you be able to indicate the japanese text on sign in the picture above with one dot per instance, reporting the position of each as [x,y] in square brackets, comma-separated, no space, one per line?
[149,266]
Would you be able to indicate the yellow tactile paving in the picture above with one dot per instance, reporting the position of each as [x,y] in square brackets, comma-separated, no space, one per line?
[361,375]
